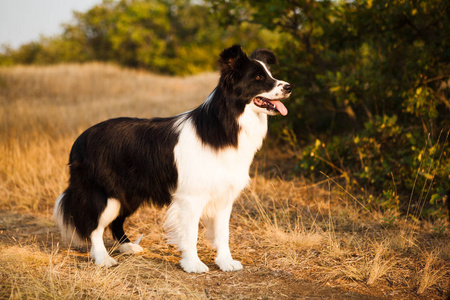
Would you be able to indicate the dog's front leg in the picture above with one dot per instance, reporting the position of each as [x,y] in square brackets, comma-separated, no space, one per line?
[182,221]
[218,232]
[188,246]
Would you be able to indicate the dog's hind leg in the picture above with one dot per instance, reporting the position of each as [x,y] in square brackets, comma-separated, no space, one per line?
[98,249]
[117,230]
[126,246]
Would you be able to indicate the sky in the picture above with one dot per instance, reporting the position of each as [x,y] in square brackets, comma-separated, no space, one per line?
[23,21]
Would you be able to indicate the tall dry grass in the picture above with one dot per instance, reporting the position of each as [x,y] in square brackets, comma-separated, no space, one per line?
[43,109]
[315,232]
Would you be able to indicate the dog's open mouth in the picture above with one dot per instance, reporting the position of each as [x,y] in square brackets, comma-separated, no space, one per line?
[271,105]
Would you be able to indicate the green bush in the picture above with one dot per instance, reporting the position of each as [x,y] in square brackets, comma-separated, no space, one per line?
[371,97]
[386,166]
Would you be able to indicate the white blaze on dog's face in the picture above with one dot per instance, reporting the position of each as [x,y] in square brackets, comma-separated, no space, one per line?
[269,101]
[248,82]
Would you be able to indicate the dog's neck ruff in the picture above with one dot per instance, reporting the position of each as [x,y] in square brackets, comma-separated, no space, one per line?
[253,129]
[220,126]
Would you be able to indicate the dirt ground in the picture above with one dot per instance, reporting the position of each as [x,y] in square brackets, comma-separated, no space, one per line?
[255,281]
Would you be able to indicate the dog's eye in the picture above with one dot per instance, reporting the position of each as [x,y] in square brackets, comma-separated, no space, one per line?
[259,77]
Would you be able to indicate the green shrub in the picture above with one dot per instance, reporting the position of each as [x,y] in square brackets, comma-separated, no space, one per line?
[386,166]
[163,36]
[371,101]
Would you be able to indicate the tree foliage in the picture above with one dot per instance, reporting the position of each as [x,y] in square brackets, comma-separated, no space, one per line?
[371,102]
[165,36]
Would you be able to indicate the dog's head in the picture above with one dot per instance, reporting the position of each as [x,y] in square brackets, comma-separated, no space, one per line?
[248,80]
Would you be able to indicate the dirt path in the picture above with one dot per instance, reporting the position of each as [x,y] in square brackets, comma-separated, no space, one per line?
[254,282]
[261,283]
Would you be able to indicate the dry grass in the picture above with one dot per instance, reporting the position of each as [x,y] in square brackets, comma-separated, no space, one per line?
[33,273]
[431,273]
[43,110]
[286,232]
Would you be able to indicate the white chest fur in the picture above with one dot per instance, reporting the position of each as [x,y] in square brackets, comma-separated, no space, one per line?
[218,175]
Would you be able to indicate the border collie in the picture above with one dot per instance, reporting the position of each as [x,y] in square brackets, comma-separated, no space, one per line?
[197,163]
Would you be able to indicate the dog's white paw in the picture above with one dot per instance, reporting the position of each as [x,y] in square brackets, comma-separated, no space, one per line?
[102,259]
[106,262]
[228,265]
[130,248]
[193,266]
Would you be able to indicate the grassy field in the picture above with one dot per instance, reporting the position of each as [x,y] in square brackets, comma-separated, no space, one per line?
[296,239]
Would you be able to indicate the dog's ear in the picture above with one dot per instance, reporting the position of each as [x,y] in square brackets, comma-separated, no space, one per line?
[264,55]
[232,58]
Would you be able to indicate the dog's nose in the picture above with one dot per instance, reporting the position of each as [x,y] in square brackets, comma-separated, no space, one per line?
[287,88]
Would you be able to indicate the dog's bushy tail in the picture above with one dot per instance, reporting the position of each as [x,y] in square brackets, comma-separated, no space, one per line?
[65,222]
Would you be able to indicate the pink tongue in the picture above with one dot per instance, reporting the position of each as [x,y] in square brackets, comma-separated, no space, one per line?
[280,107]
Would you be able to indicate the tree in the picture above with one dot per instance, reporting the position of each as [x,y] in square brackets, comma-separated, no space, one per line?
[371,98]
[165,36]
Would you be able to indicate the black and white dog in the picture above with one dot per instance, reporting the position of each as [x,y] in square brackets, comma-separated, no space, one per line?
[197,162]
